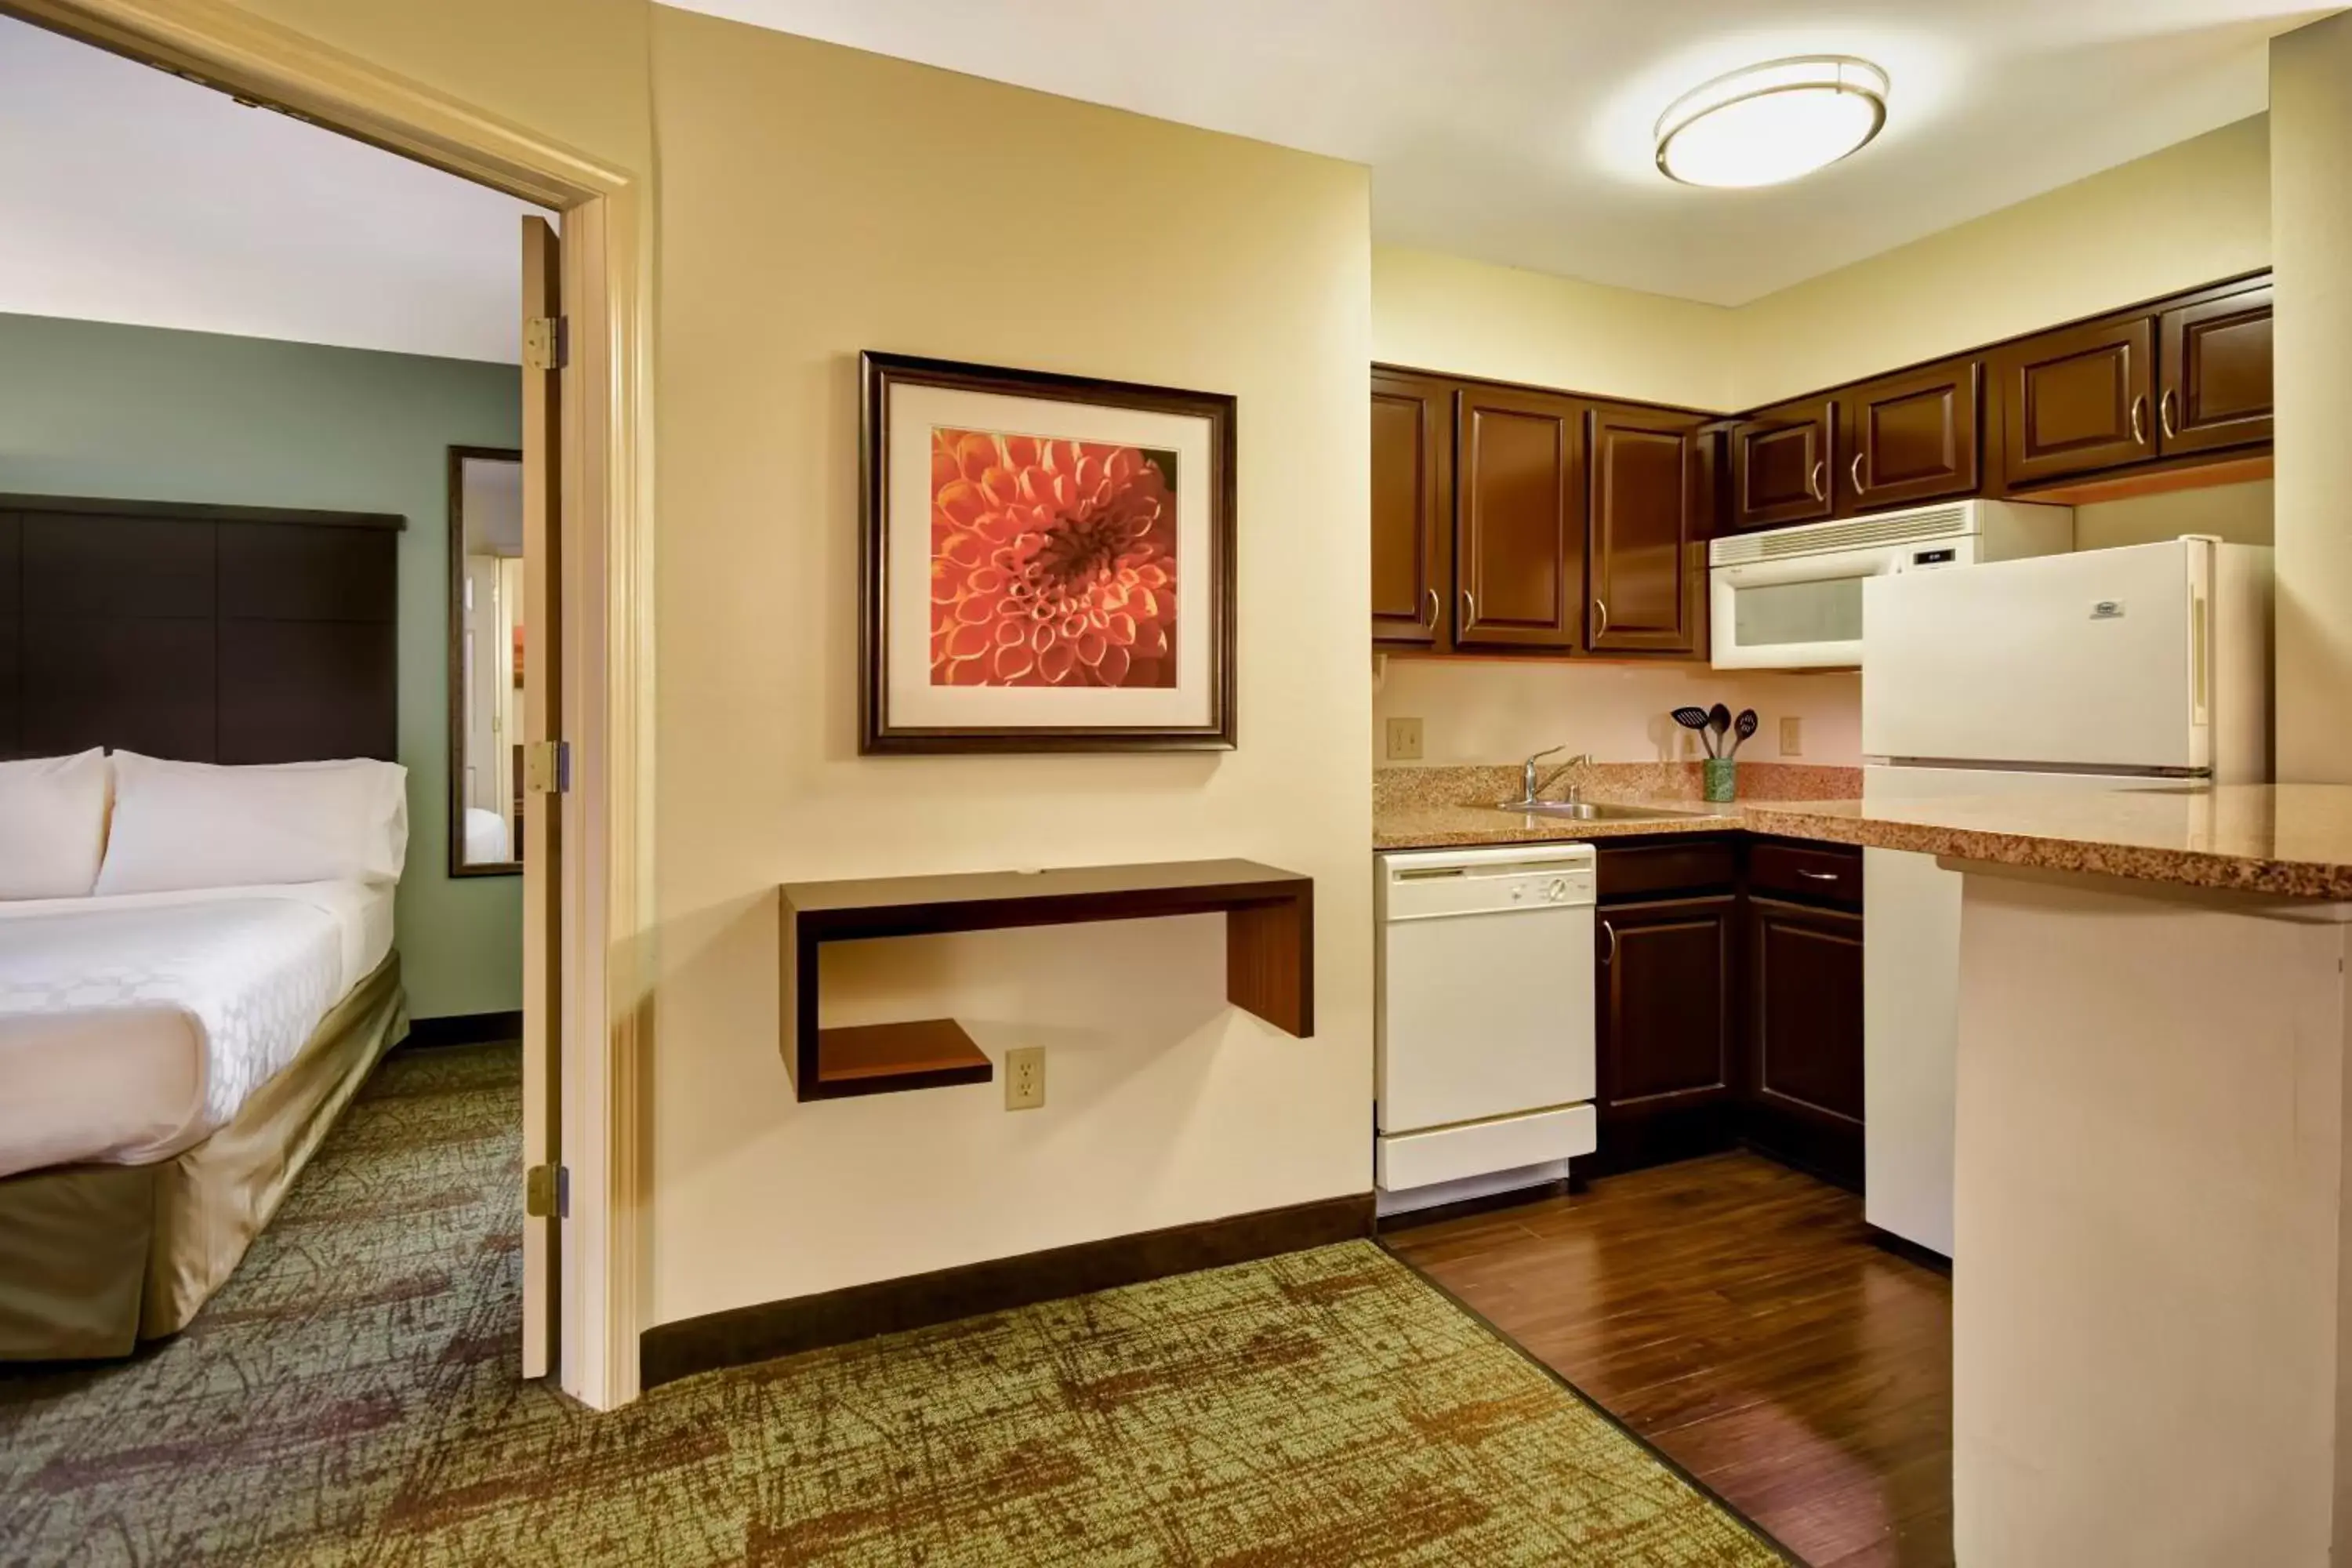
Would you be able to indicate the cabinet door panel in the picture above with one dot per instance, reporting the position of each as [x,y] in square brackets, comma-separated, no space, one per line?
[2079,400]
[1664,1036]
[1913,438]
[1804,1043]
[1518,544]
[2217,374]
[1411,449]
[1784,465]
[1647,522]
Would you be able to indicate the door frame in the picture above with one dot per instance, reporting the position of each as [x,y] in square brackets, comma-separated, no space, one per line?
[607,659]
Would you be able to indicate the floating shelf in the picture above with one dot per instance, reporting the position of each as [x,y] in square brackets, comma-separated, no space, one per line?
[1269,953]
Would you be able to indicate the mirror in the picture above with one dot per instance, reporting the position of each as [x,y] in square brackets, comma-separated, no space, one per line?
[486,643]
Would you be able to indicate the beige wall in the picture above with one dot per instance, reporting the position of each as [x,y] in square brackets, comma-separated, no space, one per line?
[1449,313]
[1497,710]
[2311,169]
[2176,218]
[2184,215]
[815,202]
[2240,514]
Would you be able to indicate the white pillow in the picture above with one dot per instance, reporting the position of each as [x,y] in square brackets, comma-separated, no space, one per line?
[52,826]
[193,825]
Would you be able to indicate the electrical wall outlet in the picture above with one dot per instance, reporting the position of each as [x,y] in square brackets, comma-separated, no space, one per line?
[1404,741]
[1024,1078]
[1792,736]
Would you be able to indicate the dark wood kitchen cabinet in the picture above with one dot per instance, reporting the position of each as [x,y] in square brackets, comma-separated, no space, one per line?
[1803,1073]
[1413,532]
[1911,438]
[2214,354]
[1518,542]
[1645,537]
[2078,401]
[1668,1073]
[1783,465]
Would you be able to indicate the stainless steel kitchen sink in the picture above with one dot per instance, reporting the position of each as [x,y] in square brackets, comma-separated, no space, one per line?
[1599,810]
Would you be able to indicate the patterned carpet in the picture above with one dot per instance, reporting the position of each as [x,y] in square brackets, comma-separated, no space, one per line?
[350,1398]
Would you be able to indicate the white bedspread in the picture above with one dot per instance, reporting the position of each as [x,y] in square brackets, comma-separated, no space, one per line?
[133,1027]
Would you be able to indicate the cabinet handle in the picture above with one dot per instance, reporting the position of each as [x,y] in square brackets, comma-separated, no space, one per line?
[1817,876]
[1433,603]
[1854,471]
[2139,420]
[1601,609]
[1469,610]
[1611,933]
[1818,477]
[2164,414]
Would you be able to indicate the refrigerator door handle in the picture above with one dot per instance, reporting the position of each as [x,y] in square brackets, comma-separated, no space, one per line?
[2201,620]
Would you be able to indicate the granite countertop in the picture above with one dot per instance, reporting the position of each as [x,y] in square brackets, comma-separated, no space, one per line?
[1438,806]
[2291,841]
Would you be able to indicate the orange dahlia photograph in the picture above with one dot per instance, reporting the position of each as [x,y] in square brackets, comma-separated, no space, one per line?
[1053,561]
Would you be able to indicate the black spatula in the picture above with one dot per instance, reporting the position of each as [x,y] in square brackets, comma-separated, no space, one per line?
[1696,719]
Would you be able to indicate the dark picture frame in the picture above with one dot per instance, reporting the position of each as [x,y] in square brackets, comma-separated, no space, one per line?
[881,733]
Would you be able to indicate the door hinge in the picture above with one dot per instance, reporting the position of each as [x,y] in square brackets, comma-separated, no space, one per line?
[546,342]
[547,1192]
[547,767]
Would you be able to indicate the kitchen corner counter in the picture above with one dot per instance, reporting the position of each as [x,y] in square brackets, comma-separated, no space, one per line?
[2287,841]
[1439,807]
[1447,826]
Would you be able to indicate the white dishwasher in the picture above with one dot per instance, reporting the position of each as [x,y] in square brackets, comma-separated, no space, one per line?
[1484,1021]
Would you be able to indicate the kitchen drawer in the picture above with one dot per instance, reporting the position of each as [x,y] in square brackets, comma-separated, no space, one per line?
[1812,873]
[1690,866]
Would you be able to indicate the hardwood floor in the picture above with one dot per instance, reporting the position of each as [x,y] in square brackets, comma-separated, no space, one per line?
[1737,1314]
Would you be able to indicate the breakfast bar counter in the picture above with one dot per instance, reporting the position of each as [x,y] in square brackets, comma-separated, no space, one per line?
[2151,1319]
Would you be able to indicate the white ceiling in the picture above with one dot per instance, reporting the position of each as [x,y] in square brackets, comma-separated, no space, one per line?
[127,194]
[1519,131]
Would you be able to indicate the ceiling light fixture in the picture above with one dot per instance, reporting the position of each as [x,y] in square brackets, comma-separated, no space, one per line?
[1772,123]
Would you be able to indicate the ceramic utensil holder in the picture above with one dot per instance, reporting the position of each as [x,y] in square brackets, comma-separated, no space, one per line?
[1722,779]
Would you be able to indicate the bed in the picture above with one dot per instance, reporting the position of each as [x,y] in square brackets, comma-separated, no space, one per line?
[198,966]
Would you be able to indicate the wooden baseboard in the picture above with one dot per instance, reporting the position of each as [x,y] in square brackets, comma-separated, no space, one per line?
[1909,1251]
[465,1029]
[669,1351]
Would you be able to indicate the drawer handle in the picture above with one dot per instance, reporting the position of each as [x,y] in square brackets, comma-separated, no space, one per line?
[1609,932]
[1601,613]
[1817,876]
[1853,472]
[2139,420]
[2164,414]
[1432,609]
[1813,481]
[1469,610]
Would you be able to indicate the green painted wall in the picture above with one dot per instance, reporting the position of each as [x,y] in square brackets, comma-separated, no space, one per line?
[89,408]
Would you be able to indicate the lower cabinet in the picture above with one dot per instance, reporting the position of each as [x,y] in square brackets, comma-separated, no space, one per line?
[1729,987]
[1667,1066]
[1805,1037]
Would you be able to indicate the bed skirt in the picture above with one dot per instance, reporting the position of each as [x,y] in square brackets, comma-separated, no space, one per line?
[94,1259]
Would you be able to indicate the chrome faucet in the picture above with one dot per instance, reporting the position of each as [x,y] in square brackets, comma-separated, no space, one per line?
[1527,782]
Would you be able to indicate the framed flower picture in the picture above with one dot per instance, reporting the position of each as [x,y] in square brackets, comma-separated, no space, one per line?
[1048,561]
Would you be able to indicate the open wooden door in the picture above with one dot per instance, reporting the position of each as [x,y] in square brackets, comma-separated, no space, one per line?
[546,775]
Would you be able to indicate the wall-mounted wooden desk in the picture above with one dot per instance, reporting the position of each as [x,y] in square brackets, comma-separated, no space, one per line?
[1269,953]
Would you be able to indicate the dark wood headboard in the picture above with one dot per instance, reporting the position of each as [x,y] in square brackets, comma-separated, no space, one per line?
[208,634]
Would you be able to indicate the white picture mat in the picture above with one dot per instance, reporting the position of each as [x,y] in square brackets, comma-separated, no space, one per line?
[910,700]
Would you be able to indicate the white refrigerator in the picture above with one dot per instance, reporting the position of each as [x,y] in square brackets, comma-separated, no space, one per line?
[2141,667]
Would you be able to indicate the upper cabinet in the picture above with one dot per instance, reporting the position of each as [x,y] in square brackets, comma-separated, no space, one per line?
[1911,438]
[1645,557]
[1413,546]
[2079,400]
[2214,360]
[1783,465]
[1518,547]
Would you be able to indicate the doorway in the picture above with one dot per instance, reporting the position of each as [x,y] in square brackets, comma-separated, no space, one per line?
[586,828]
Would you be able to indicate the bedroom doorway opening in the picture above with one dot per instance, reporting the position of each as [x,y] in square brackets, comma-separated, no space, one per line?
[573,781]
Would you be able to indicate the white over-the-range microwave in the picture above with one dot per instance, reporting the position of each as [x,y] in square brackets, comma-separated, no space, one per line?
[1790,598]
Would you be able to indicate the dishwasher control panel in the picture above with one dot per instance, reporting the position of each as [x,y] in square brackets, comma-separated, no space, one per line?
[1437,883]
